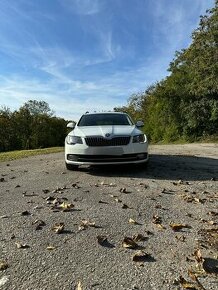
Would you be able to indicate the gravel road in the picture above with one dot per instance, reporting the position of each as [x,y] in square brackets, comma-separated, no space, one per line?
[65,230]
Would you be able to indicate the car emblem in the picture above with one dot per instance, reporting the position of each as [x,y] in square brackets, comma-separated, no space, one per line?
[107,135]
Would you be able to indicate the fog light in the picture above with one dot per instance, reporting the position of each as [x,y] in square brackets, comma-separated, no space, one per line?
[71,157]
[141,156]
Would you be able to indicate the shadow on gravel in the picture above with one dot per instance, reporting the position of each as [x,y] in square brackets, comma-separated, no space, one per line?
[172,167]
[210,265]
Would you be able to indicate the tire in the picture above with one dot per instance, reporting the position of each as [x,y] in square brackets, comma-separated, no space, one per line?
[71,166]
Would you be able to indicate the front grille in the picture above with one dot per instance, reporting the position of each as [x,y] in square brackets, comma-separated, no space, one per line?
[100,141]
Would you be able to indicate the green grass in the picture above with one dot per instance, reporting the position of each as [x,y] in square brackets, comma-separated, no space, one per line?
[12,155]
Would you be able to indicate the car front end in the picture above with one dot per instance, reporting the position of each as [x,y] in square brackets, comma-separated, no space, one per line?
[106,144]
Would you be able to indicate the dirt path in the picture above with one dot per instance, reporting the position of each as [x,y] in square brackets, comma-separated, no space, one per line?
[179,186]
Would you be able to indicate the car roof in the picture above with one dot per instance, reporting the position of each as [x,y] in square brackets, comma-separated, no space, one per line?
[100,113]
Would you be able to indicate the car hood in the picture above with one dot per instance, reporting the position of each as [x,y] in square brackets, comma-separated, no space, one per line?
[113,130]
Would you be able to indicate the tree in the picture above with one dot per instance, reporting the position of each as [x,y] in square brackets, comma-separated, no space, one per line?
[184,105]
[38,108]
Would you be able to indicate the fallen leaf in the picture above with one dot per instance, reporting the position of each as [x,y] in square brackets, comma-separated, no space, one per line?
[132,221]
[79,286]
[180,238]
[25,213]
[123,190]
[193,276]
[178,227]
[156,219]
[58,228]
[117,199]
[213,213]
[4,217]
[21,246]
[85,224]
[141,256]
[50,198]
[3,265]
[187,285]
[160,226]
[104,202]
[129,243]
[75,185]
[50,248]
[198,256]
[66,206]
[101,239]
[124,206]
[39,224]
[139,238]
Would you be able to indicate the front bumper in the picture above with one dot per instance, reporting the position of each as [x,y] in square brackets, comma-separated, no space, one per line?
[106,159]
[80,154]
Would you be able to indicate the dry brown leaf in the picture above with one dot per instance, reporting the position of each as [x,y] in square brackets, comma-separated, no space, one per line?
[139,238]
[156,219]
[132,221]
[85,224]
[101,239]
[180,238]
[66,206]
[3,265]
[21,246]
[178,227]
[58,228]
[141,256]
[198,256]
[213,213]
[161,227]
[193,276]
[129,243]
[117,199]
[187,285]
[39,224]
[123,190]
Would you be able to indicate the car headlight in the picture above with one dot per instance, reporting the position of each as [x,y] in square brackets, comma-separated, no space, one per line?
[138,138]
[74,140]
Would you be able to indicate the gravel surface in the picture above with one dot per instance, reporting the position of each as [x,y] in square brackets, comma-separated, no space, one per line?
[179,186]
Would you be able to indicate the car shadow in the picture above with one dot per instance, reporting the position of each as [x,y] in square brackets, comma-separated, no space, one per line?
[168,167]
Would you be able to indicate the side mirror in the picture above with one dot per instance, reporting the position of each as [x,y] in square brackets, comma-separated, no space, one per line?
[139,124]
[71,125]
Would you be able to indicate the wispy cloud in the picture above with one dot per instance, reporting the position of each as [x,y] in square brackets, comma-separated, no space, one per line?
[85,55]
[82,7]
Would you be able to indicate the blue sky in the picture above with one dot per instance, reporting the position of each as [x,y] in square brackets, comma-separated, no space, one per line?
[86,55]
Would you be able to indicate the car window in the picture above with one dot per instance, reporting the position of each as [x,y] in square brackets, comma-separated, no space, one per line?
[104,120]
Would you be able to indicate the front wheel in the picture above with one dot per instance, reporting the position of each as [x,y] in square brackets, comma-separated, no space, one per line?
[71,166]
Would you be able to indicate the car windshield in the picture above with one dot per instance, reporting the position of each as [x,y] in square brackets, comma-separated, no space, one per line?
[104,120]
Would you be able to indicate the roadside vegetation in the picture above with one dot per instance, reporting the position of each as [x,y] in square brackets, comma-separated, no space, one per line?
[12,155]
[33,126]
[184,106]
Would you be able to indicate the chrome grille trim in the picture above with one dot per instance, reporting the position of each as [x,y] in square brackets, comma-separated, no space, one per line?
[101,141]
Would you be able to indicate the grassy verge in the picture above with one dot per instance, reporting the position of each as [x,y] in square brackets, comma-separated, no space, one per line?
[12,155]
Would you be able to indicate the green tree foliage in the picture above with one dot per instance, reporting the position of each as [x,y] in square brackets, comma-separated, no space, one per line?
[32,126]
[185,104]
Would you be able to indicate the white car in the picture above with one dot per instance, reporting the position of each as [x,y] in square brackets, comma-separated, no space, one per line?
[104,139]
